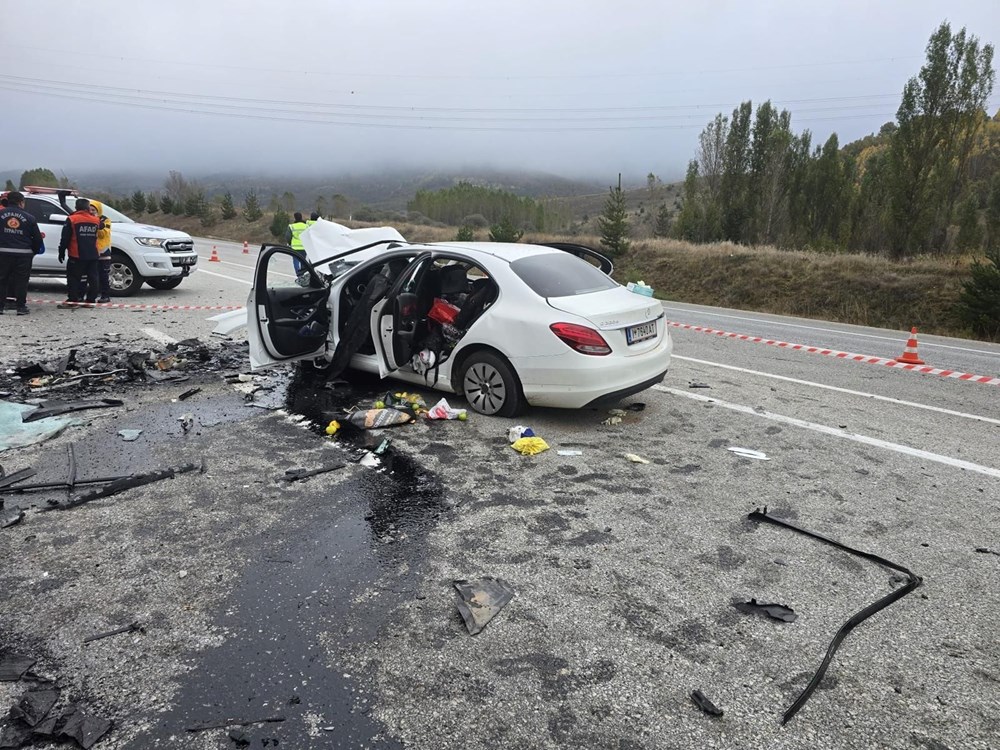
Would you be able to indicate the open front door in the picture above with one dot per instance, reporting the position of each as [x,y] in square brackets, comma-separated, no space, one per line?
[288,317]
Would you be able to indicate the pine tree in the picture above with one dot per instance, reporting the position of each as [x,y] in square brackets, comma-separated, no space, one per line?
[979,304]
[152,203]
[9,186]
[613,223]
[138,202]
[505,231]
[279,224]
[166,204]
[662,226]
[228,209]
[251,206]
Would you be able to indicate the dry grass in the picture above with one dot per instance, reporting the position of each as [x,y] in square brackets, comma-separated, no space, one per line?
[846,288]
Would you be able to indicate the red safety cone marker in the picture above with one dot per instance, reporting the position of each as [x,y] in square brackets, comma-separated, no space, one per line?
[910,356]
[246,248]
[215,256]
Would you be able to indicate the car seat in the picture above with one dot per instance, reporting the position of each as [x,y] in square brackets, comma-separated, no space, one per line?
[454,280]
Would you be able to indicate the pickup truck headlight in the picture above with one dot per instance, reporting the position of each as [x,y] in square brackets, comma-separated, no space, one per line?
[149,241]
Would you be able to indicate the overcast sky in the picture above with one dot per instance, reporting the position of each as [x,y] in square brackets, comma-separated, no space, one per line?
[573,87]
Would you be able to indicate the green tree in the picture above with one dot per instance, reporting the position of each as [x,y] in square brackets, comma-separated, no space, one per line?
[979,303]
[41,177]
[138,202]
[505,231]
[279,224]
[939,116]
[228,209]
[152,203]
[970,235]
[251,206]
[734,188]
[613,223]
[465,234]
[662,226]
[288,201]
[9,186]
[166,204]
[993,214]
[690,222]
[195,203]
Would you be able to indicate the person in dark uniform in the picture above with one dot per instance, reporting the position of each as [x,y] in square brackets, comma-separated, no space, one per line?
[79,240]
[20,242]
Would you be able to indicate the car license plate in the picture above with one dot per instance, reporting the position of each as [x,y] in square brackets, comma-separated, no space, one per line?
[634,334]
[185,261]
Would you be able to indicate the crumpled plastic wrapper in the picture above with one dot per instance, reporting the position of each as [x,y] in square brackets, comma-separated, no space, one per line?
[529,446]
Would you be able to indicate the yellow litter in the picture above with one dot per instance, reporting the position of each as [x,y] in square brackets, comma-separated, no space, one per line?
[529,446]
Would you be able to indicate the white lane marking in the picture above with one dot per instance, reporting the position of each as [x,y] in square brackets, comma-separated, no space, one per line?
[828,330]
[223,276]
[160,336]
[837,433]
[938,409]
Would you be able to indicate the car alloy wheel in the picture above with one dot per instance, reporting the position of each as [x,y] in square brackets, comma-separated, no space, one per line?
[123,277]
[490,385]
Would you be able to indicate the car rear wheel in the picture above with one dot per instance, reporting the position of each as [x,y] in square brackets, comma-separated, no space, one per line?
[490,385]
[125,279]
[171,282]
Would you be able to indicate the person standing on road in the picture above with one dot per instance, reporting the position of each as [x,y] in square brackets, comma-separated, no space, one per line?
[294,238]
[103,250]
[313,218]
[20,242]
[79,240]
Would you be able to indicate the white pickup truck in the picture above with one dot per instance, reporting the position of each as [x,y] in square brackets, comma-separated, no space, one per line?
[140,253]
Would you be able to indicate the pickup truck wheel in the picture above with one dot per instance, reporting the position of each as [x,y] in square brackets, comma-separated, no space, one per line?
[171,282]
[125,279]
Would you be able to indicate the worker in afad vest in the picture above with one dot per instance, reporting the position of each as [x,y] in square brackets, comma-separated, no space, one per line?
[294,238]
[79,240]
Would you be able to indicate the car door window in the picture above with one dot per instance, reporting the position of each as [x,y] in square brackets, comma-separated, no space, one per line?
[42,210]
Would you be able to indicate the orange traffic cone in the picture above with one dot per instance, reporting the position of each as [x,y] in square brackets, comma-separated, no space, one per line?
[246,248]
[910,356]
[215,256]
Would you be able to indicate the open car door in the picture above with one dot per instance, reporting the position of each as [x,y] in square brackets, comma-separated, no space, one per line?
[287,314]
[396,318]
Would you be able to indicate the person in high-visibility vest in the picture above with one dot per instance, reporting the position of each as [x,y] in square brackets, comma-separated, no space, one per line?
[313,218]
[294,238]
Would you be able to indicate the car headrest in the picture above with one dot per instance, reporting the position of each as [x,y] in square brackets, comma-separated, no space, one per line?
[453,279]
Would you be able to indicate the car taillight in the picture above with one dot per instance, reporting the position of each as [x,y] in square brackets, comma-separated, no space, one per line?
[580,338]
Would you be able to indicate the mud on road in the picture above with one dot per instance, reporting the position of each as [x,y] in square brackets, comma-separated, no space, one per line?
[328,603]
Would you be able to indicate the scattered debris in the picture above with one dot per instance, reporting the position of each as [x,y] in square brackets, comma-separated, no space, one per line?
[749,453]
[636,406]
[187,421]
[529,446]
[30,720]
[371,419]
[480,600]
[774,611]
[57,408]
[693,384]
[705,704]
[13,666]
[382,447]
[369,459]
[914,581]
[17,432]
[441,410]
[294,475]
[331,429]
[130,628]
[34,706]
[987,551]
[615,417]
[10,517]
[234,723]
[188,394]
[566,452]
[130,435]
[18,476]
[635,458]
[519,431]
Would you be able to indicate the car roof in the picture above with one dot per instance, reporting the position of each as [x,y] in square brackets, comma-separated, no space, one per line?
[508,251]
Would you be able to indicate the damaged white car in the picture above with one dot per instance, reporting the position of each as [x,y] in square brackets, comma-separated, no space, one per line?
[504,325]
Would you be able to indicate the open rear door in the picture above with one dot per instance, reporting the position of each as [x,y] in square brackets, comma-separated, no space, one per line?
[395,319]
[287,317]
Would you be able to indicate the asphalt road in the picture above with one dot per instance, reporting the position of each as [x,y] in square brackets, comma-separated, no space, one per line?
[624,573]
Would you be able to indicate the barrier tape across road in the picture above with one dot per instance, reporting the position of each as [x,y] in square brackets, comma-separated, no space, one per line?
[865,358]
[121,306]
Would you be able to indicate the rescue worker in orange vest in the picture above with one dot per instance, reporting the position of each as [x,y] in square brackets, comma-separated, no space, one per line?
[79,240]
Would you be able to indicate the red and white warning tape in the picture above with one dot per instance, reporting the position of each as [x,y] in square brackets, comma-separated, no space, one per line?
[867,359]
[120,306]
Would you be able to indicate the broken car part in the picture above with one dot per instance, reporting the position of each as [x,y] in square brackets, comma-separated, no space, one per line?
[774,611]
[294,475]
[120,485]
[479,601]
[913,582]
[13,666]
[55,408]
[131,628]
[705,704]
[234,723]
[749,453]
